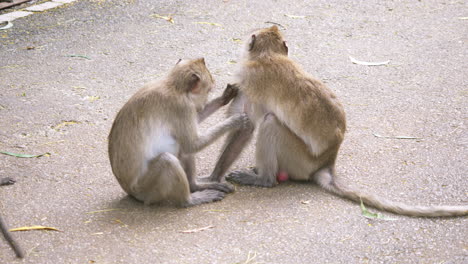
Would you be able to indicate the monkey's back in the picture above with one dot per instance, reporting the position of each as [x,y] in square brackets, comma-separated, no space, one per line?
[303,103]
[141,131]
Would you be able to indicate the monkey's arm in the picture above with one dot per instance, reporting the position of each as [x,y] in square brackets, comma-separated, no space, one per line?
[209,109]
[229,93]
[192,143]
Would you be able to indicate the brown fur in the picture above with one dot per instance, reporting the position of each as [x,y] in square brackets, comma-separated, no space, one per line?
[301,125]
[155,134]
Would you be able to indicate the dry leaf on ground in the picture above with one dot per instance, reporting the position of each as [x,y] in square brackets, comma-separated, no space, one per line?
[197,229]
[28,228]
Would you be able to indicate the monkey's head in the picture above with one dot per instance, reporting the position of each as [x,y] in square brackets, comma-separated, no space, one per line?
[192,79]
[267,41]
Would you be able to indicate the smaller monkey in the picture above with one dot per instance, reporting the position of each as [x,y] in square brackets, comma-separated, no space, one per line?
[154,137]
[11,241]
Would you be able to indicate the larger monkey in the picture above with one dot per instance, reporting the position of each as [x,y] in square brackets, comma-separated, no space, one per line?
[154,137]
[301,126]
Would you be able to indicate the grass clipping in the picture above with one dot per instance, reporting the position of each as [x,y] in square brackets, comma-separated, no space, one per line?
[29,228]
[24,155]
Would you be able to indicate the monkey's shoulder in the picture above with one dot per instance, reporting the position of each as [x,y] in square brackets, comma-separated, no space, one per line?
[157,96]
[269,63]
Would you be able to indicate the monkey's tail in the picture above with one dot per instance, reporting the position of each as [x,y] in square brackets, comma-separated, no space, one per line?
[391,206]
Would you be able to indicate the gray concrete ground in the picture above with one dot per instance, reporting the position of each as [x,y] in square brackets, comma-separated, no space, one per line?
[51,102]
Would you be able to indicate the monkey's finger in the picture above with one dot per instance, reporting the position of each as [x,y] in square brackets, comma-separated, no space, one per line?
[224,187]
[240,177]
[230,93]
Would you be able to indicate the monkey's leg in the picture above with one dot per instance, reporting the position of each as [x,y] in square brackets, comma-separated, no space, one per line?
[266,157]
[166,180]
[188,163]
[235,143]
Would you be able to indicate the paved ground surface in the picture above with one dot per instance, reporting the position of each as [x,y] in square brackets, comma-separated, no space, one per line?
[51,102]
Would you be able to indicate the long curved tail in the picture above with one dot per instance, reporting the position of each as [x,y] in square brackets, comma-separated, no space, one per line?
[390,206]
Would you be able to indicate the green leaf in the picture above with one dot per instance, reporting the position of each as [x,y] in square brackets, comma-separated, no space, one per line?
[367,214]
[78,56]
[24,155]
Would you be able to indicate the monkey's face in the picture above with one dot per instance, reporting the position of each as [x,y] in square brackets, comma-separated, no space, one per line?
[268,40]
[203,85]
[199,95]
[193,78]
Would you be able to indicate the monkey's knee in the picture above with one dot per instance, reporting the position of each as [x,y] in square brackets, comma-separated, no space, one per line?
[165,179]
[269,131]
[269,122]
[270,117]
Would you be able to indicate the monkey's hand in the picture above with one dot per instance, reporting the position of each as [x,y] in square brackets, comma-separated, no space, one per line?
[7,181]
[229,93]
[248,124]
[241,121]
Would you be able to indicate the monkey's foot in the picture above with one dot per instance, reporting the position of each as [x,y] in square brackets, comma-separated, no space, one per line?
[7,181]
[205,196]
[220,186]
[249,177]
[206,179]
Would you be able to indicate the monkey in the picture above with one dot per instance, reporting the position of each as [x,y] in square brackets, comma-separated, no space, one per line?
[8,237]
[154,137]
[301,125]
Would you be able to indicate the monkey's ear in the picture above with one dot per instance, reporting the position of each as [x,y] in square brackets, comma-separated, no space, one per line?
[252,42]
[274,28]
[193,84]
[285,47]
[178,61]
